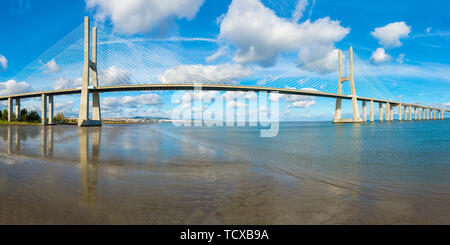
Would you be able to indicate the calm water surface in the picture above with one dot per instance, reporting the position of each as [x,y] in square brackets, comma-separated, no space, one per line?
[311,173]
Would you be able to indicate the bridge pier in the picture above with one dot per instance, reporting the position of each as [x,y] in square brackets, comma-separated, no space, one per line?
[388,113]
[44,109]
[434,114]
[50,109]
[364,111]
[337,114]
[415,113]
[391,117]
[400,112]
[83,116]
[371,111]
[380,111]
[409,109]
[17,109]
[10,109]
[405,113]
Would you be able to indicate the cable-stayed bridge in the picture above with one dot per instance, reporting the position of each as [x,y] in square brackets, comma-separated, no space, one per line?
[118,62]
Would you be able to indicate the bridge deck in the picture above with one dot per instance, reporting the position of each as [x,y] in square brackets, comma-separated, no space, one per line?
[214,87]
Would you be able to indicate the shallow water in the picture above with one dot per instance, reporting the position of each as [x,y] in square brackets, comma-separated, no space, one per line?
[311,173]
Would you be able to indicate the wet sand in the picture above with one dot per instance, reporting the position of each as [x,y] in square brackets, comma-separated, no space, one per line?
[158,174]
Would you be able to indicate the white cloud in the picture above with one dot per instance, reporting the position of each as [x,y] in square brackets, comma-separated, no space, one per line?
[390,34]
[275,96]
[297,14]
[190,96]
[52,66]
[260,35]
[3,62]
[428,30]
[302,104]
[224,73]
[379,56]
[140,16]
[131,101]
[13,87]
[222,50]
[400,58]
[114,76]
[297,101]
[64,83]
[319,59]
[300,101]
[236,104]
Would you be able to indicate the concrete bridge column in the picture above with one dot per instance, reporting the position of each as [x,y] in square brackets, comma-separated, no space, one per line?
[380,111]
[388,113]
[421,113]
[17,109]
[409,109]
[405,113]
[400,112]
[364,111]
[434,114]
[50,109]
[371,111]
[428,113]
[415,113]
[391,110]
[44,109]
[10,111]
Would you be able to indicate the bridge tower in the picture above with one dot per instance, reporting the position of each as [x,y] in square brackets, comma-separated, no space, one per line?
[337,114]
[89,64]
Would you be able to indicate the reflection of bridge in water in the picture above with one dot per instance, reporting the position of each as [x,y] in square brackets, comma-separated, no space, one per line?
[88,157]
[405,110]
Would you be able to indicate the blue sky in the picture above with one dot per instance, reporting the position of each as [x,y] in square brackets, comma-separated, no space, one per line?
[405,43]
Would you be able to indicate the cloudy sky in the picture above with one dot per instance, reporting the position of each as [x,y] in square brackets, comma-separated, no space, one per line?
[404,43]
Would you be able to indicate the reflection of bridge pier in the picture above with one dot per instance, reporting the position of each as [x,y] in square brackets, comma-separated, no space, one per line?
[89,168]
[17,139]
[9,139]
[50,141]
[43,142]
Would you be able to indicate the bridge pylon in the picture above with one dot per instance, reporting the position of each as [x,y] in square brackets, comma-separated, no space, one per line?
[89,64]
[337,114]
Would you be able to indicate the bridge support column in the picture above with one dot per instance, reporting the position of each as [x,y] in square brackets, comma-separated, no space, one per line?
[409,109]
[50,110]
[380,111]
[337,114]
[371,111]
[400,112]
[421,113]
[388,113]
[405,113]
[434,114]
[17,109]
[10,109]
[83,117]
[415,113]
[428,113]
[391,110]
[364,111]
[44,109]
